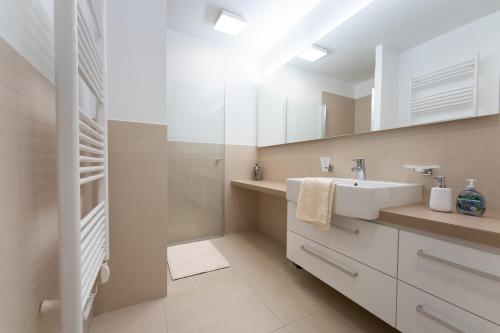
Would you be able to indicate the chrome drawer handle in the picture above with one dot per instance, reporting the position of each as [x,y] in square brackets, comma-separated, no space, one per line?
[312,252]
[420,309]
[423,254]
[339,226]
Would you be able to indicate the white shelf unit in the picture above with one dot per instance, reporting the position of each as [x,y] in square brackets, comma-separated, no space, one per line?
[80,49]
[452,89]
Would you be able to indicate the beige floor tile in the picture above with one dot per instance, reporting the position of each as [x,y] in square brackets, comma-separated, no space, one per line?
[260,292]
[254,255]
[282,330]
[260,262]
[225,306]
[332,320]
[343,306]
[287,299]
[144,318]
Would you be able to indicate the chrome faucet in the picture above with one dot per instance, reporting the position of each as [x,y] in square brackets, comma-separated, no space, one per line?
[360,168]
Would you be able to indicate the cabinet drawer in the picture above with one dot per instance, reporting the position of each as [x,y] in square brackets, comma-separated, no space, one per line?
[373,244]
[464,276]
[373,290]
[421,312]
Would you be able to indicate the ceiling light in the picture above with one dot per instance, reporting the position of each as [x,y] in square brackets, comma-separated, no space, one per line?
[313,53]
[230,23]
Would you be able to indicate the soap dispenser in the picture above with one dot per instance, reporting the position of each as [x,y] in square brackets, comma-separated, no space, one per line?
[470,201]
[441,197]
[257,172]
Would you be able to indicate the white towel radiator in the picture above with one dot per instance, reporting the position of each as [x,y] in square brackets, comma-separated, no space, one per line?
[449,89]
[80,58]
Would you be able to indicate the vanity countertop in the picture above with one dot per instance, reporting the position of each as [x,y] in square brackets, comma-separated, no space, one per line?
[273,188]
[482,230]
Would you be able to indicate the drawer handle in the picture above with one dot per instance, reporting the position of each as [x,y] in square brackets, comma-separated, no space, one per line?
[423,254]
[420,309]
[347,229]
[312,252]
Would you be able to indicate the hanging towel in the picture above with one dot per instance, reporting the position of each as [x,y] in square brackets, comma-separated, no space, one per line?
[315,204]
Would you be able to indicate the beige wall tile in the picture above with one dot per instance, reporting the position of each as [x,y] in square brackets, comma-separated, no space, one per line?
[272,217]
[473,151]
[203,202]
[138,216]
[28,196]
[339,114]
[464,149]
[130,137]
[363,114]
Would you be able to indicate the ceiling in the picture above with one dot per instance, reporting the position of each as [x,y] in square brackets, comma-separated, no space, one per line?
[267,20]
[399,24]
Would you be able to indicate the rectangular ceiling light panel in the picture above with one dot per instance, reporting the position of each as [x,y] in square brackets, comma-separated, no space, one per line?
[313,53]
[230,23]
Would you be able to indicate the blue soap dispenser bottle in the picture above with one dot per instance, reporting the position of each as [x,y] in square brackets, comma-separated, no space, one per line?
[470,201]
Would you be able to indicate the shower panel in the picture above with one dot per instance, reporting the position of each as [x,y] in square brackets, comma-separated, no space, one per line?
[195,160]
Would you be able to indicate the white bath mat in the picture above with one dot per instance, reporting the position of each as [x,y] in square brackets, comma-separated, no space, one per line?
[194,258]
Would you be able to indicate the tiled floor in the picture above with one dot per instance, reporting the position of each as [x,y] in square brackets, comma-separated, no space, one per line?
[261,292]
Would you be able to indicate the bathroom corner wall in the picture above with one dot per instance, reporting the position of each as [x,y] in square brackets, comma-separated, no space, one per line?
[138,215]
[240,205]
[340,113]
[28,195]
[272,217]
[467,148]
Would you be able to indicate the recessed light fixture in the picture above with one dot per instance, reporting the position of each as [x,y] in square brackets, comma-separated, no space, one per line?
[312,53]
[230,23]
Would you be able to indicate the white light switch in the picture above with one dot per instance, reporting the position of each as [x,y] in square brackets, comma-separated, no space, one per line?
[326,165]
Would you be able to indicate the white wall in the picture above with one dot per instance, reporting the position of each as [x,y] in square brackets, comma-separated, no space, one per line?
[136,60]
[364,88]
[198,60]
[303,84]
[385,101]
[27,26]
[481,36]
[299,86]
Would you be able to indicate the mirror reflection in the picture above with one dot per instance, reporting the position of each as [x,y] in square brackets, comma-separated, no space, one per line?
[393,64]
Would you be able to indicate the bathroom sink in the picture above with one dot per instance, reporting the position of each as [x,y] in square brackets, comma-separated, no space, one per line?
[363,199]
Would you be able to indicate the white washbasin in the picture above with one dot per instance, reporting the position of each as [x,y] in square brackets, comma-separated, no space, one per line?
[363,199]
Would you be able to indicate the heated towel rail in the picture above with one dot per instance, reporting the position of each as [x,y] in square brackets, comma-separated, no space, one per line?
[80,58]
[451,90]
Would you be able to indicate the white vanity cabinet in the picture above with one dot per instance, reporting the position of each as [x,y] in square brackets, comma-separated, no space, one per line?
[420,312]
[414,282]
[357,258]
[466,277]
[372,244]
[373,290]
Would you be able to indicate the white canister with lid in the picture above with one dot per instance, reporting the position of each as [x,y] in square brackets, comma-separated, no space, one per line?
[441,199]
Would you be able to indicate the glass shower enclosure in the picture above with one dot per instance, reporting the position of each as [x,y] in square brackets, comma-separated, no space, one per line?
[196,116]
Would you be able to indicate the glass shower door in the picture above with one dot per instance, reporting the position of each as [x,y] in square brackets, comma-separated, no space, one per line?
[195,114]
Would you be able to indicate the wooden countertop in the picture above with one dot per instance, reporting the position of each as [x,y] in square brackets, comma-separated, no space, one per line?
[483,230]
[264,186]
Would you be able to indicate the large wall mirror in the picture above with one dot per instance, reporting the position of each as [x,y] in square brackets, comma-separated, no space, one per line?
[393,64]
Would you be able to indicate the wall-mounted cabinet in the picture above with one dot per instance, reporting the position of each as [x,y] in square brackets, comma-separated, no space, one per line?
[426,284]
